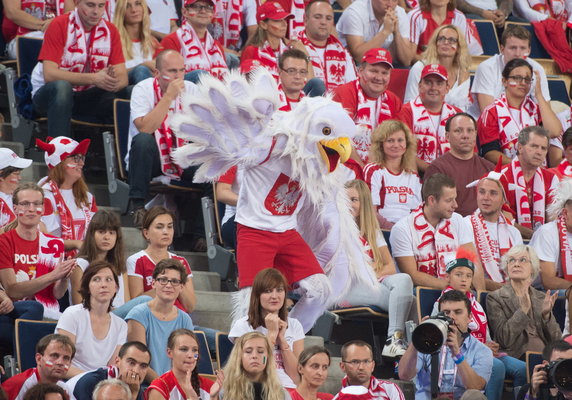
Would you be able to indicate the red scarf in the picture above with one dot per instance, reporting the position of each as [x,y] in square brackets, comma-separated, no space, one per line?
[509,128]
[528,217]
[553,8]
[564,169]
[227,22]
[268,57]
[42,9]
[479,322]
[332,68]
[198,55]
[296,24]
[367,118]
[165,138]
[50,253]
[432,248]
[83,56]
[565,250]
[431,140]
[490,257]
[6,213]
[285,102]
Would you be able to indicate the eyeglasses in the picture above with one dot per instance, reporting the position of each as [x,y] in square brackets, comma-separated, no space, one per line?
[450,40]
[520,79]
[199,7]
[294,71]
[358,363]
[174,282]
[78,158]
[521,260]
[27,204]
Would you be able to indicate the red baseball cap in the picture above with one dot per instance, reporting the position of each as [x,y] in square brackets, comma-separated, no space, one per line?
[376,56]
[249,65]
[191,2]
[435,69]
[271,10]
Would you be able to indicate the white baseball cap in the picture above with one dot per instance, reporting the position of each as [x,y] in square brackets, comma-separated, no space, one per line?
[10,159]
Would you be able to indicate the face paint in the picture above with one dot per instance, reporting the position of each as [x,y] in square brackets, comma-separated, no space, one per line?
[66,367]
[71,166]
[453,46]
[165,77]
[21,213]
[49,363]
[512,83]
[39,210]
[264,360]
[196,356]
[526,55]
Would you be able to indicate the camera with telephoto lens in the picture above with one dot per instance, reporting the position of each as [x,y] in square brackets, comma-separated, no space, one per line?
[431,334]
[559,375]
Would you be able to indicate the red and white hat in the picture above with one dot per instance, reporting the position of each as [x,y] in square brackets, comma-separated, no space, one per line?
[376,56]
[354,393]
[187,3]
[60,148]
[271,10]
[249,65]
[10,159]
[435,69]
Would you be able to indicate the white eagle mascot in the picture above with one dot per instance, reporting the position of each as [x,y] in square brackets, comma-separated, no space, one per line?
[293,212]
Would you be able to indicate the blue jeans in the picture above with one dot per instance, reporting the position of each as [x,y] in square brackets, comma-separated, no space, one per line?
[27,309]
[138,74]
[195,75]
[495,385]
[123,310]
[515,369]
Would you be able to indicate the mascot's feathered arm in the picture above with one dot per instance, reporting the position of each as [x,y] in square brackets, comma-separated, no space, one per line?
[226,123]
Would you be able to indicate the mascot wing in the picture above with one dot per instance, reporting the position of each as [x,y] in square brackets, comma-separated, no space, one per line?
[226,123]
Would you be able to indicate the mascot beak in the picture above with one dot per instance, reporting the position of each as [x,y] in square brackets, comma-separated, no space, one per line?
[335,150]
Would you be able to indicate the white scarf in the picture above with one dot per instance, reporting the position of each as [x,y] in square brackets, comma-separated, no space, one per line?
[83,56]
[296,23]
[565,250]
[431,139]
[332,68]
[367,118]
[42,9]
[509,128]
[490,257]
[50,253]
[285,103]
[564,169]
[268,57]
[208,57]
[432,247]
[227,22]
[527,217]
[553,8]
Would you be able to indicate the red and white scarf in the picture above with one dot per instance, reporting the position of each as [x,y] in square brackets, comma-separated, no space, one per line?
[509,128]
[287,104]
[164,137]
[296,23]
[432,247]
[564,169]
[227,22]
[526,216]
[66,217]
[83,54]
[368,116]
[42,9]
[478,322]
[431,139]
[6,213]
[332,67]
[490,257]
[50,253]
[268,57]
[554,8]
[198,55]
[109,10]
[565,250]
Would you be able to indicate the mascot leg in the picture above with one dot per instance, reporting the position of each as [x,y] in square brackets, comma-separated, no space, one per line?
[240,303]
[316,298]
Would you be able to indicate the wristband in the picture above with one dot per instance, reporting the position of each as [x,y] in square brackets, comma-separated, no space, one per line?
[459,358]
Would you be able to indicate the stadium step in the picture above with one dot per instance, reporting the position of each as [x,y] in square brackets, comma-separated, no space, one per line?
[213,310]
[206,281]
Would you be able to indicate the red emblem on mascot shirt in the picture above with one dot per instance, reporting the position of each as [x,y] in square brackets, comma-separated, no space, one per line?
[283,197]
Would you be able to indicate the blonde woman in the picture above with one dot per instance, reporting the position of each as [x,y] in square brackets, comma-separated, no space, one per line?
[250,372]
[395,291]
[139,46]
[447,47]
[391,173]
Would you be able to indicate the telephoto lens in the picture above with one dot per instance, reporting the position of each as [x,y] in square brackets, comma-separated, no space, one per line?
[431,334]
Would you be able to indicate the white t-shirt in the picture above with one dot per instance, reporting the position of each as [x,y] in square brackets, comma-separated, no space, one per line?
[268,199]
[546,242]
[488,80]
[119,297]
[484,4]
[294,332]
[401,235]
[138,57]
[162,12]
[457,96]
[393,195]
[359,20]
[143,102]
[91,353]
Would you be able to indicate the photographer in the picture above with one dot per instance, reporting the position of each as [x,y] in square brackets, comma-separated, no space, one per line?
[464,362]
[553,352]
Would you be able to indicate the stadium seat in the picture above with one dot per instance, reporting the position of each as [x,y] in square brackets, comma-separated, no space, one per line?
[559,311]
[482,299]
[488,35]
[223,348]
[28,334]
[398,82]
[121,115]
[28,51]
[532,358]
[205,362]
[337,15]
[426,298]
[536,48]
[558,91]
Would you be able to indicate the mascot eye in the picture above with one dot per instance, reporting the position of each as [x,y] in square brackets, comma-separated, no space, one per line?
[326,130]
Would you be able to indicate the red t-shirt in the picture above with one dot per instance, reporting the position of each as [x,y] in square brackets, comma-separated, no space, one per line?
[229,176]
[56,36]
[296,396]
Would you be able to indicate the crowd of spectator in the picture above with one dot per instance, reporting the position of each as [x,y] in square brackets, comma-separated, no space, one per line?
[470,179]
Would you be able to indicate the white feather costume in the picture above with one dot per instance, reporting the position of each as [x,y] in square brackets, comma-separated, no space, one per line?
[234,122]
